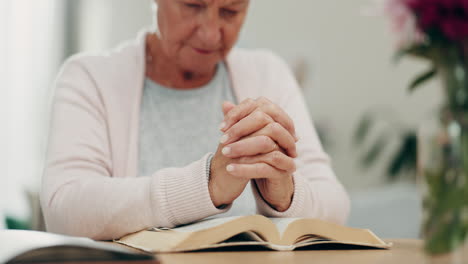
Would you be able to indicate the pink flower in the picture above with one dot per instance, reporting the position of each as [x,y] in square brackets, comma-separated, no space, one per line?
[404,23]
[446,17]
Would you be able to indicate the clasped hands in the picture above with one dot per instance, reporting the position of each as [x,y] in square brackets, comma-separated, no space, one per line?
[259,143]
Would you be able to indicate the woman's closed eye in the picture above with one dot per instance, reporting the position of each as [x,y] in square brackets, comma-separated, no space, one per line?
[193,6]
[225,12]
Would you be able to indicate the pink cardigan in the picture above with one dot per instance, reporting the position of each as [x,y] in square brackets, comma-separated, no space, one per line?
[90,185]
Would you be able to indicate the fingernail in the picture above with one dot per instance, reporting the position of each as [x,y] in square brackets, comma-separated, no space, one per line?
[226,150]
[230,168]
[223,125]
[297,138]
[224,138]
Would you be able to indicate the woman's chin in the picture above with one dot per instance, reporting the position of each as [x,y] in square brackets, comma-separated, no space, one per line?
[200,63]
[200,68]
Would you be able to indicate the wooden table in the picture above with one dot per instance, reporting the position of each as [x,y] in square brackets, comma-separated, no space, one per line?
[403,251]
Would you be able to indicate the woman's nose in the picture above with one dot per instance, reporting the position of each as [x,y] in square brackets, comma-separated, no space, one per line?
[209,32]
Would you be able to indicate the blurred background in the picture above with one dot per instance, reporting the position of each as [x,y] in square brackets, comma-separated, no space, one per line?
[343,58]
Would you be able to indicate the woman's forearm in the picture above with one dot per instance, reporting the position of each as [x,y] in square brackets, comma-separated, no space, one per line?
[80,201]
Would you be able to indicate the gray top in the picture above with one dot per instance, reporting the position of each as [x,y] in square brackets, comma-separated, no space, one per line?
[178,127]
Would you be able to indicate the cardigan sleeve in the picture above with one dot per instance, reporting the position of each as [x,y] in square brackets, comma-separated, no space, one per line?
[80,196]
[317,192]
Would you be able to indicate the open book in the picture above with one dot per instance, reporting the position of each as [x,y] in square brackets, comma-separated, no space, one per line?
[255,230]
[19,246]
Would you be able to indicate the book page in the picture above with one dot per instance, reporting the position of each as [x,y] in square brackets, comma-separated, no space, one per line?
[202,234]
[204,224]
[296,230]
[282,223]
[244,236]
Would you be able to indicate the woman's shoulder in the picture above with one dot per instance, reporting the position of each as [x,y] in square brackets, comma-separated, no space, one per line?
[124,57]
[114,69]
[109,77]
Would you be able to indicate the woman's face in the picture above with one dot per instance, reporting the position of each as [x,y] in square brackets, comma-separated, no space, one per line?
[197,34]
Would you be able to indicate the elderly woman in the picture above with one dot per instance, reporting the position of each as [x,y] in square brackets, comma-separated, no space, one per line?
[179,126]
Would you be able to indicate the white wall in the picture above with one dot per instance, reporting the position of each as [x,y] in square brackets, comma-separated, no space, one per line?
[4,6]
[105,23]
[31,54]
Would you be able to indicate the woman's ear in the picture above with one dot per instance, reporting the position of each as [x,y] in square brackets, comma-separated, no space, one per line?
[227,106]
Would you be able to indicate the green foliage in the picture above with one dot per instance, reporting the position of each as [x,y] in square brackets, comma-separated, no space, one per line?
[15,223]
[423,51]
[404,158]
[420,51]
[374,152]
[446,202]
[362,129]
[402,161]
[421,79]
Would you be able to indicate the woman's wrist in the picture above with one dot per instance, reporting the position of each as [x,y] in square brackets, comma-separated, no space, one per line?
[212,188]
[216,191]
[280,199]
